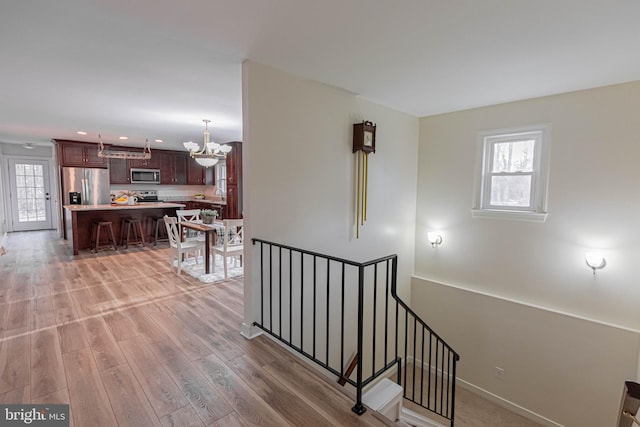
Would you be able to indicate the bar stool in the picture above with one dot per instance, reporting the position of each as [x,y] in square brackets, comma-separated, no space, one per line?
[158,230]
[129,225]
[95,235]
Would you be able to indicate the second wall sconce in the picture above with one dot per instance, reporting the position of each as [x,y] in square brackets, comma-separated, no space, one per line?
[595,261]
[434,238]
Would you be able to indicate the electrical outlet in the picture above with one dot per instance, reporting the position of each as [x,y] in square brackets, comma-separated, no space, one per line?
[499,373]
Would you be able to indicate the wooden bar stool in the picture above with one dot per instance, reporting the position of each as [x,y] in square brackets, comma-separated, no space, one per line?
[95,235]
[129,225]
[158,230]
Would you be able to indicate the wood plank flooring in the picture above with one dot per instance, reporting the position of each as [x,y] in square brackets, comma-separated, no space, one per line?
[126,342]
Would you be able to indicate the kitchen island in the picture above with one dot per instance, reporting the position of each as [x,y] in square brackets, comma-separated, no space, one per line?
[78,219]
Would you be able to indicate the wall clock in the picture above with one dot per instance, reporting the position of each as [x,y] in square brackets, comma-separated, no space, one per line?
[364,142]
[364,137]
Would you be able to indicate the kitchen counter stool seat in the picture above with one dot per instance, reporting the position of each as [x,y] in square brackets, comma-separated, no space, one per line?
[97,225]
[131,225]
[158,230]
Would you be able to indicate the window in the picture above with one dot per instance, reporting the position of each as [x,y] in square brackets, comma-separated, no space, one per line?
[512,181]
[221,179]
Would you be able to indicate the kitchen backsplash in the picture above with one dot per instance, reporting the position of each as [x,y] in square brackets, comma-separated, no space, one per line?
[172,192]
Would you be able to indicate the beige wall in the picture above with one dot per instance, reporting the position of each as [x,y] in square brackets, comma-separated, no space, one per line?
[299,172]
[593,204]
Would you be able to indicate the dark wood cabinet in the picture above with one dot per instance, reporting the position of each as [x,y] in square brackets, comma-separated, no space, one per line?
[205,205]
[196,174]
[119,171]
[79,154]
[173,167]
[152,163]
[234,181]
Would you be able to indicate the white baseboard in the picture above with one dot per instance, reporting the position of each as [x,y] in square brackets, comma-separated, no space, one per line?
[3,240]
[415,419]
[249,331]
[500,401]
[507,404]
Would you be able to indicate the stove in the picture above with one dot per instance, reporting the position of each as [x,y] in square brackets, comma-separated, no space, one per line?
[148,196]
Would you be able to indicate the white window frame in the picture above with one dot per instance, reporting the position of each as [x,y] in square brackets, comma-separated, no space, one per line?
[537,210]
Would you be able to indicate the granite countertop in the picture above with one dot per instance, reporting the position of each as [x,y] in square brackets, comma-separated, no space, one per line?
[193,199]
[113,207]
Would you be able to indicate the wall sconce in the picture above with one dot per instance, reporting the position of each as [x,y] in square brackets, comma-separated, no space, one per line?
[434,238]
[595,261]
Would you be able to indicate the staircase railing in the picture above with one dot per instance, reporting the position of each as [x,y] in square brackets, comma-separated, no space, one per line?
[333,310]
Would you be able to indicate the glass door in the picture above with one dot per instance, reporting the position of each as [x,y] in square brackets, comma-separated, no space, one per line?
[30,194]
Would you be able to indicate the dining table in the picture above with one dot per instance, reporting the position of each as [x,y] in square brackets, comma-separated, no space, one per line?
[210,231]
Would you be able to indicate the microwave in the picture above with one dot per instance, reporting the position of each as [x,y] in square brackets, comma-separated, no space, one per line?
[145,176]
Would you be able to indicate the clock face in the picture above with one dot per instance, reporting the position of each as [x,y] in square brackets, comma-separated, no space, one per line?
[368,138]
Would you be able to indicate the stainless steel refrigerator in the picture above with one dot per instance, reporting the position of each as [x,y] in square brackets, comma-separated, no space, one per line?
[91,183]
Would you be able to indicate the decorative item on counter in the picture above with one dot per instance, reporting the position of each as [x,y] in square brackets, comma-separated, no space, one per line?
[128,197]
[208,215]
[199,196]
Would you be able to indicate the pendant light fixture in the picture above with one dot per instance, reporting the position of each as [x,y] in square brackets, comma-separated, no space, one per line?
[210,153]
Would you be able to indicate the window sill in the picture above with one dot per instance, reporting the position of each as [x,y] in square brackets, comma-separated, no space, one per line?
[511,215]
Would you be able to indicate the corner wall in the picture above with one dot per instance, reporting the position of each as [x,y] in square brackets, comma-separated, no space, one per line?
[593,204]
[299,173]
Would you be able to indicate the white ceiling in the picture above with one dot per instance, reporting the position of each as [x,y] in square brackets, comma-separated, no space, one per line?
[155,69]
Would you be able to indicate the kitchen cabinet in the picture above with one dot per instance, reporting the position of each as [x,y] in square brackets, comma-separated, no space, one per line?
[173,167]
[79,154]
[234,181]
[195,173]
[119,171]
[152,163]
[207,205]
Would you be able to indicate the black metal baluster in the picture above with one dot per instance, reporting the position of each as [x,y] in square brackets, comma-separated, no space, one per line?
[342,326]
[301,302]
[386,313]
[422,370]
[290,295]
[328,295]
[280,290]
[413,385]
[271,288]
[429,371]
[359,407]
[375,310]
[314,306]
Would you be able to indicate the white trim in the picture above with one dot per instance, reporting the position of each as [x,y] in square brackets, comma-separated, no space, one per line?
[249,331]
[500,401]
[527,304]
[540,178]
[415,419]
[516,215]
[513,407]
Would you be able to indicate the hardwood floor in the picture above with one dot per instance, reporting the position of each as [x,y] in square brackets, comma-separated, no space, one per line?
[126,342]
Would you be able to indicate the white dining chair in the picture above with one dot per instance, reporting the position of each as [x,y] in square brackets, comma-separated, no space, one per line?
[190,215]
[230,243]
[179,249]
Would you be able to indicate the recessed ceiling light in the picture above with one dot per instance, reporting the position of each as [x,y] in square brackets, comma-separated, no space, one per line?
[124,137]
[81,132]
[28,146]
[159,140]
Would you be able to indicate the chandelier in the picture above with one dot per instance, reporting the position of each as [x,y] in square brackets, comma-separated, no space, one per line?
[210,153]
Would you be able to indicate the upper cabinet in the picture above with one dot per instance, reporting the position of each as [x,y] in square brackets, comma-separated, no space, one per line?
[234,181]
[119,171]
[79,154]
[173,167]
[199,175]
[152,163]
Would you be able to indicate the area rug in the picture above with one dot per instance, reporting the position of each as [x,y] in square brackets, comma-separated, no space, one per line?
[197,270]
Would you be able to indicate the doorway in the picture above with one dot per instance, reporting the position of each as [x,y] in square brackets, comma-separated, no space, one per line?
[29,194]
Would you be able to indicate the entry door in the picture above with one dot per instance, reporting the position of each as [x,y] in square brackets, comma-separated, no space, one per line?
[30,194]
